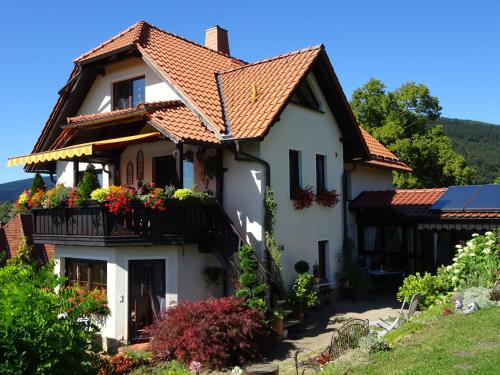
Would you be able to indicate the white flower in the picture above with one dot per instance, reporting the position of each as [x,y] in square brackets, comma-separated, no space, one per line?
[472,254]
[460,256]
[455,259]
[458,246]
[488,233]
[237,371]
[469,243]
[475,235]
[449,268]
[490,242]
[487,251]
[456,271]
[454,278]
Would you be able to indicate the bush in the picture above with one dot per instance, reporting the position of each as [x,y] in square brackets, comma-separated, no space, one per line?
[216,332]
[89,183]
[99,195]
[482,296]
[301,266]
[252,290]
[432,288]
[37,184]
[478,263]
[165,368]
[373,343]
[57,196]
[39,332]
[303,294]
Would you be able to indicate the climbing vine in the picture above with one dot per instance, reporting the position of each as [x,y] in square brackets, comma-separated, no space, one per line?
[270,210]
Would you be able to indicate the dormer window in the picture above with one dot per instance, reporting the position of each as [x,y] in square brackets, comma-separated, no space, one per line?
[129,93]
[304,96]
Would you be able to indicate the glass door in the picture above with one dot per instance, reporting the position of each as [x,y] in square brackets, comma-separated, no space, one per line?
[146,295]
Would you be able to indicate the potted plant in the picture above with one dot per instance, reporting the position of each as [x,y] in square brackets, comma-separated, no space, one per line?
[303,296]
[327,198]
[316,274]
[278,317]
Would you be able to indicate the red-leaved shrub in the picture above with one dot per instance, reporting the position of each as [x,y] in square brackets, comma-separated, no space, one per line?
[216,332]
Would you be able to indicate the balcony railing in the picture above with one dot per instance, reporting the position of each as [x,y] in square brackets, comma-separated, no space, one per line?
[183,222]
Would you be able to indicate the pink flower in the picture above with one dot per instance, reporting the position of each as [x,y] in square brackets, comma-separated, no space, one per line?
[195,366]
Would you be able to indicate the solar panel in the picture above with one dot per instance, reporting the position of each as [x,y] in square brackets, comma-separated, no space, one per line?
[486,199]
[455,198]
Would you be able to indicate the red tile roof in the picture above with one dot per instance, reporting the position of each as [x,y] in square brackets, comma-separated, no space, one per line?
[255,93]
[381,157]
[172,118]
[413,203]
[12,233]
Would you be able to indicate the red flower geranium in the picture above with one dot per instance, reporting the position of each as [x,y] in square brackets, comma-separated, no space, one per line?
[328,198]
[119,199]
[303,198]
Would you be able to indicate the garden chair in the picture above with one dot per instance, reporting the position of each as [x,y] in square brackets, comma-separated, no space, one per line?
[401,316]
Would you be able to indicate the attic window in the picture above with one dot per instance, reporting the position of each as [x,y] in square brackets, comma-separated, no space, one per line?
[304,96]
[129,93]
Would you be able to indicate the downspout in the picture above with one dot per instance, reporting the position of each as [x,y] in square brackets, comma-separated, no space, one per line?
[346,181]
[245,156]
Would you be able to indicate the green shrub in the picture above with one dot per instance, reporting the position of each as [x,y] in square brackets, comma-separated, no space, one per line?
[303,294]
[373,343]
[302,266]
[41,331]
[99,195]
[432,288]
[164,368]
[57,196]
[89,183]
[479,295]
[252,290]
[477,264]
[37,184]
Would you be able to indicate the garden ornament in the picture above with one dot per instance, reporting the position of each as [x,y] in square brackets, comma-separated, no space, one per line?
[473,306]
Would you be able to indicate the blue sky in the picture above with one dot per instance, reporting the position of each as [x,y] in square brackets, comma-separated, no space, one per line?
[452,46]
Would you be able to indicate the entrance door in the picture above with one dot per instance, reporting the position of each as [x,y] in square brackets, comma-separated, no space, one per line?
[146,280]
[165,171]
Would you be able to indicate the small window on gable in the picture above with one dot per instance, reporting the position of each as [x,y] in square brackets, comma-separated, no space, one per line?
[304,96]
[294,171]
[129,93]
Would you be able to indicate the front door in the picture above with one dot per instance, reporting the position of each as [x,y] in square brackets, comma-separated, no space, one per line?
[165,171]
[146,280]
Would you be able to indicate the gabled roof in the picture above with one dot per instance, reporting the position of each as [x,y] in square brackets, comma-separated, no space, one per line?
[381,157]
[219,89]
[255,94]
[414,204]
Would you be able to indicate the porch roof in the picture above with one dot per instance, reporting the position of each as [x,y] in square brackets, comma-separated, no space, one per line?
[87,149]
[416,204]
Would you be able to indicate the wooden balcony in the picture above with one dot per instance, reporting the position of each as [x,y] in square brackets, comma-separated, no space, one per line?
[186,222]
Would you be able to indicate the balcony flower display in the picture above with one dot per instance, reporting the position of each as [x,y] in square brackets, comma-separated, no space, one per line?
[37,199]
[22,203]
[119,199]
[327,198]
[304,198]
[56,197]
[75,200]
[153,197]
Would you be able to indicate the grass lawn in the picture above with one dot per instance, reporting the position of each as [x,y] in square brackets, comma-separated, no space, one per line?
[457,344]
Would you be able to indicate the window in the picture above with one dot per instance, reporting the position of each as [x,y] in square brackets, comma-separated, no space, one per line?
[294,165]
[130,174]
[304,96]
[88,274]
[140,165]
[322,257]
[188,174]
[320,173]
[127,94]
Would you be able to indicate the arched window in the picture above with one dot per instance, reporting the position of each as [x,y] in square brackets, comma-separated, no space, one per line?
[140,165]
[130,173]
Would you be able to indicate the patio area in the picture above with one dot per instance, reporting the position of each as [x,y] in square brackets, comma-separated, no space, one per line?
[316,332]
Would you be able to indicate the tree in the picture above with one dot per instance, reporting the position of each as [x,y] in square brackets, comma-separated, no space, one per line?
[89,183]
[400,120]
[497,181]
[24,254]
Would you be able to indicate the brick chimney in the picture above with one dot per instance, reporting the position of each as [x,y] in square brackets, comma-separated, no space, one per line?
[216,39]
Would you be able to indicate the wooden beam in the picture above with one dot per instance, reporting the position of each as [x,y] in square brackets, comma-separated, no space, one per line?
[179,157]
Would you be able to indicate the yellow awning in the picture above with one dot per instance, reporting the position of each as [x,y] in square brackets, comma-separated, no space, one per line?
[79,150]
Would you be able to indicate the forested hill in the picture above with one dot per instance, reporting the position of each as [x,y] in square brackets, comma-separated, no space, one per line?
[479,143]
[9,191]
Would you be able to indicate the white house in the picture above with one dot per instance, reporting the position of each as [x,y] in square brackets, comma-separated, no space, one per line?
[146,106]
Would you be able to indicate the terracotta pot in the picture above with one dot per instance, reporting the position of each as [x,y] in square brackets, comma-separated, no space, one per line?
[278,327]
[300,317]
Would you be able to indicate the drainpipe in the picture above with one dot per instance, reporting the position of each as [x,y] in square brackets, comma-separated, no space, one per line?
[245,156]
[346,179]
